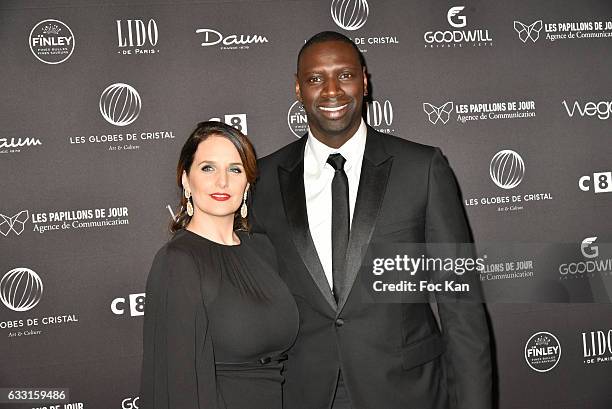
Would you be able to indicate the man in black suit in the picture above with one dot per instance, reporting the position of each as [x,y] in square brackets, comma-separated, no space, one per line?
[350,353]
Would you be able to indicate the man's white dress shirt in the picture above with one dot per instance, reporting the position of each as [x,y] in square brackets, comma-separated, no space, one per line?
[318,175]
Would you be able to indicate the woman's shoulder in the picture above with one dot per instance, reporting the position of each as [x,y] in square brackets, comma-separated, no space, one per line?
[184,259]
[260,245]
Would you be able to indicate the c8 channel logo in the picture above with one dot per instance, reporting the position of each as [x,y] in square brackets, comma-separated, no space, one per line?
[600,182]
[135,303]
[238,121]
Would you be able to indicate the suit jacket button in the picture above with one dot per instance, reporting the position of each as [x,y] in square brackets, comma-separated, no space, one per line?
[339,322]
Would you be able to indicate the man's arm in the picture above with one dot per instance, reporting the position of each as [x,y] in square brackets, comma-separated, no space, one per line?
[464,326]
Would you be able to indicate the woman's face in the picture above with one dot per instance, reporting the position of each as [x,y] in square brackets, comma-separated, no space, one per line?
[216,179]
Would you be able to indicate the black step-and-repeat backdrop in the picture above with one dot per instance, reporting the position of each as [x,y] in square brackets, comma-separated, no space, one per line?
[98,98]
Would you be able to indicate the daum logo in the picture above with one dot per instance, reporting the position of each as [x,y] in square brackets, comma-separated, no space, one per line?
[507,169]
[51,41]
[528,32]
[15,223]
[454,19]
[19,142]
[213,37]
[21,289]
[441,113]
[350,14]
[120,104]
[542,351]
[588,249]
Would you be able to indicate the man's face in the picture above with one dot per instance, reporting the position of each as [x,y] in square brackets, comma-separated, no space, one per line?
[330,83]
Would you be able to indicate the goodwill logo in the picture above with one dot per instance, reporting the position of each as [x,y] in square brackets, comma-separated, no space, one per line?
[530,32]
[212,37]
[351,15]
[597,346]
[592,266]
[456,18]
[588,249]
[135,37]
[21,289]
[507,170]
[442,113]
[51,41]
[542,351]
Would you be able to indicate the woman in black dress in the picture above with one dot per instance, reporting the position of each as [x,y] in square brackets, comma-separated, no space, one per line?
[218,319]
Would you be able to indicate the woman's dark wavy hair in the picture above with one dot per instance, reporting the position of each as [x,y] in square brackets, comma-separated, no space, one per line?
[247,154]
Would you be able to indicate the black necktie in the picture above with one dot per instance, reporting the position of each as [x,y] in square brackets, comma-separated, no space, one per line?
[340,222]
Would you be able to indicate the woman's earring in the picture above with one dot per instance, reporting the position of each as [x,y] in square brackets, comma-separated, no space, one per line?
[243,209]
[189,205]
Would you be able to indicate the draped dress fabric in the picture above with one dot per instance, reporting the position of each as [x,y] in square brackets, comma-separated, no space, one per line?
[218,320]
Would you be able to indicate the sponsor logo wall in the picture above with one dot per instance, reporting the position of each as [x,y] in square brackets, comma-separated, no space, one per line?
[98,99]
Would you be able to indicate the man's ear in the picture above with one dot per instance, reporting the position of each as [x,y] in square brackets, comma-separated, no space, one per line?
[365,81]
[298,93]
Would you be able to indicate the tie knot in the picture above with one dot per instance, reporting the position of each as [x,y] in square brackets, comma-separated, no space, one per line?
[336,161]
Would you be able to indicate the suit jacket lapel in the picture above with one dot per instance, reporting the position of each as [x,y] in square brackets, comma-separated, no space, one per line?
[291,179]
[372,185]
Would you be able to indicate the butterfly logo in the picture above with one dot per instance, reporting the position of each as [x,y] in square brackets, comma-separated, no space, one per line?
[15,223]
[436,114]
[526,32]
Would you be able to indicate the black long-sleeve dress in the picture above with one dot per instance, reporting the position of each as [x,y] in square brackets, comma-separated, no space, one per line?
[218,320]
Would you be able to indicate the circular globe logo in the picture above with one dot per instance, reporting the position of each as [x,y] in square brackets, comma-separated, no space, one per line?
[297,119]
[507,169]
[120,104]
[21,289]
[51,41]
[350,14]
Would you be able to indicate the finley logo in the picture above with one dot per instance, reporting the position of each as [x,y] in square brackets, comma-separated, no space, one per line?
[120,104]
[350,15]
[461,21]
[21,289]
[297,119]
[15,223]
[441,113]
[588,249]
[507,169]
[51,41]
[542,351]
[528,32]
